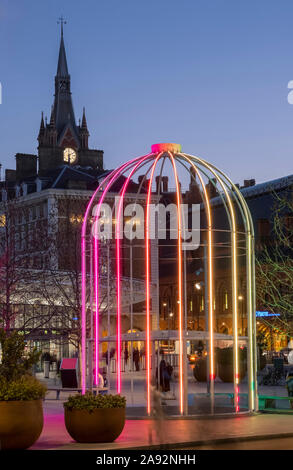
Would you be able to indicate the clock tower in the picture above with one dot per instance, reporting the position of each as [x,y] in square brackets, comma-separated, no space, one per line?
[61,141]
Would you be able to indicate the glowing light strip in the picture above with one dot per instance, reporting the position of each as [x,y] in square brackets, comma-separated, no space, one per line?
[180,293]
[147,251]
[118,268]
[210,268]
[250,288]
[118,338]
[118,171]
[234,278]
[96,288]
[96,284]
[83,283]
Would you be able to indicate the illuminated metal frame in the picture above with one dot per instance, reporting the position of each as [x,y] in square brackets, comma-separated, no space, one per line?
[231,196]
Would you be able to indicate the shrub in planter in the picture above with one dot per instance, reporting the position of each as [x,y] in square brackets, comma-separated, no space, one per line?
[225,363]
[21,410]
[200,370]
[90,418]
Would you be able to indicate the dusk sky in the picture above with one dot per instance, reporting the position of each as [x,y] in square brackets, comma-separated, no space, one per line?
[211,75]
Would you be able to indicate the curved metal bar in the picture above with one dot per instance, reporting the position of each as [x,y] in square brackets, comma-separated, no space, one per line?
[180,291]
[234,279]
[147,251]
[118,267]
[96,277]
[250,273]
[119,170]
[210,278]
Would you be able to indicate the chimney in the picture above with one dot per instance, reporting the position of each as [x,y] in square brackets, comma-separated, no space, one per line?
[211,189]
[26,166]
[10,175]
[165,184]
[248,183]
[192,173]
[158,184]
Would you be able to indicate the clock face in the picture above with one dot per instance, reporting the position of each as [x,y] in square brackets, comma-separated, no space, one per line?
[69,155]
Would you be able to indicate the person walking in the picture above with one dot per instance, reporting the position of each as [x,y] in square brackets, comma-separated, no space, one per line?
[126,356]
[136,359]
[163,374]
[167,377]
[156,424]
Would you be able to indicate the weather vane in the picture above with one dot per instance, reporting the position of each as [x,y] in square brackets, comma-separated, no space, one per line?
[62,22]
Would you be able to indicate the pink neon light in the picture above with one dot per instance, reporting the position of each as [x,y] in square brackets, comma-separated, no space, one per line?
[96,287]
[96,257]
[179,284]
[237,398]
[164,147]
[147,250]
[83,286]
[116,172]
[96,282]
[118,269]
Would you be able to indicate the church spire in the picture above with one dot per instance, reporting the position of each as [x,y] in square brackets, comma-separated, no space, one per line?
[62,69]
[42,125]
[63,108]
[83,132]
[52,119]
[51,129]
[84,123]
[42,130]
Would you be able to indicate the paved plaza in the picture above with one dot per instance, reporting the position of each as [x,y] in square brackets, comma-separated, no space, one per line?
[134,388]
[143,433]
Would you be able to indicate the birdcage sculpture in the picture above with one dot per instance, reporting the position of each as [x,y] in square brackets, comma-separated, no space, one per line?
[98,283]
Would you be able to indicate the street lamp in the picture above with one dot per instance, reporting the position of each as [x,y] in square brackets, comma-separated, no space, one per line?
[198,285]
[164,305]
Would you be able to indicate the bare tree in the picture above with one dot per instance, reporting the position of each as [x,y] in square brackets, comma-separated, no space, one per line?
[14,270]
[274,265]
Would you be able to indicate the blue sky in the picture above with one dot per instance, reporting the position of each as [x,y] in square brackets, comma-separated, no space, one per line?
[209,74]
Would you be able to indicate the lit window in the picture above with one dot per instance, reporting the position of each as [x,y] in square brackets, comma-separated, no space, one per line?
[226,301]
[201,304]
[2,220]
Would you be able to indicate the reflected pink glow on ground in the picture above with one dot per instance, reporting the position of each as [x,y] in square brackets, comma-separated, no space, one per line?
[55,436]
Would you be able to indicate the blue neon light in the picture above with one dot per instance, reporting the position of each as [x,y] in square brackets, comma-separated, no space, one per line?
[266,314]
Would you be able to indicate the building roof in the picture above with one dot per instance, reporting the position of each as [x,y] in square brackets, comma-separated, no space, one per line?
[261,188]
